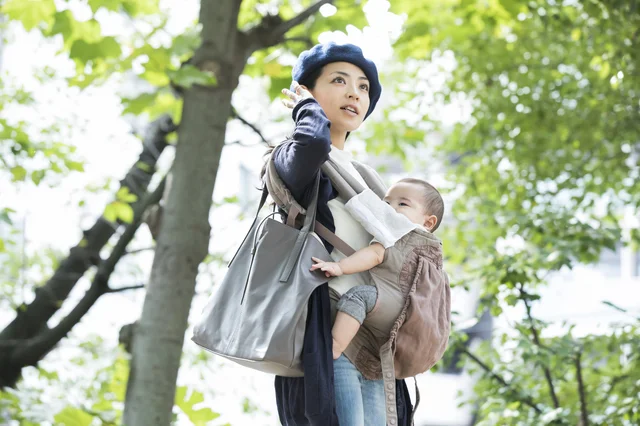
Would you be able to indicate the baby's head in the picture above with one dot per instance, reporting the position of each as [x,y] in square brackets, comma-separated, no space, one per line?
[418,200]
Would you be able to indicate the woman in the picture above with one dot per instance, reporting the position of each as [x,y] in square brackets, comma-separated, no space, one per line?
[335,88]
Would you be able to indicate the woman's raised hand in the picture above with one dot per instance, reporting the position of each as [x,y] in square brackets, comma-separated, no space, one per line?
[299,93]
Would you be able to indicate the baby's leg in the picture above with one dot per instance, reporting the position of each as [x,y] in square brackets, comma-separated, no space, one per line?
[344,330]
[353,307]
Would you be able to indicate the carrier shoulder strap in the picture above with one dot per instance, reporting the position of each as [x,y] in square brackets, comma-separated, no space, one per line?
[346,185]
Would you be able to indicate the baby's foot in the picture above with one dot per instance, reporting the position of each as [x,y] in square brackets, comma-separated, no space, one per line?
[337,350]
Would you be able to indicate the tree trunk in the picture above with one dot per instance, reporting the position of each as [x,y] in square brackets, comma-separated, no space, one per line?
[18,347]
[184,234]
[184,231]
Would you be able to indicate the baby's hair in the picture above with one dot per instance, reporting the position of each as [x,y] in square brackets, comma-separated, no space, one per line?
[433,202]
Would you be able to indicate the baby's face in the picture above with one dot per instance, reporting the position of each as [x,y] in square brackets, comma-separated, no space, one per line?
[406,199]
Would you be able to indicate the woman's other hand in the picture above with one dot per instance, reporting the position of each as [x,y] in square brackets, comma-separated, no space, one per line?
[299,93]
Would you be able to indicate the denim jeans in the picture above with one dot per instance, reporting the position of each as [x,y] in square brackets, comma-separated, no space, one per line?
[359,402]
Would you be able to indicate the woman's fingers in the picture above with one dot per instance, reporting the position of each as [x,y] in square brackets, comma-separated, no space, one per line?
[299,93]
[289,104]
[290,94]
[294,98]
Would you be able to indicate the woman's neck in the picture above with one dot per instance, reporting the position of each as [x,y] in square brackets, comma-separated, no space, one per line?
[338,138]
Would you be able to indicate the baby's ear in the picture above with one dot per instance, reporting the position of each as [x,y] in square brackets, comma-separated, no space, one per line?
[430,222]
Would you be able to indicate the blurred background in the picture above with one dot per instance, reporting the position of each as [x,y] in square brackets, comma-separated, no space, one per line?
[525,114]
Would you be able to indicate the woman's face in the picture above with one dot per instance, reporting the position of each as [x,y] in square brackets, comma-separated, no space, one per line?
[342,90]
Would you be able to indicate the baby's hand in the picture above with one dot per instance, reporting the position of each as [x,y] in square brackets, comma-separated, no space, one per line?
[330,269]
[300,93]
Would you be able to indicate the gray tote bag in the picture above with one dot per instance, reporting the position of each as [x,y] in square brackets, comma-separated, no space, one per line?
[257,317]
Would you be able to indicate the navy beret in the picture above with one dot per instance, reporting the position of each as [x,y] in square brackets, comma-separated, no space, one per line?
[323,54]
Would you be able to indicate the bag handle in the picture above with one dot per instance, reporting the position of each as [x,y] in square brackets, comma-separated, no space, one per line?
[263,199]
[309,220]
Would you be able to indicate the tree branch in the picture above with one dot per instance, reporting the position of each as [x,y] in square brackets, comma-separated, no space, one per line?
[614,382]
[34,349]
[584,415]
[121,289]
[281,30]
[516,393]
[272,29]
[30,320]
[306,40]
[234,114]
[242,144]
[536,340]
[139,250]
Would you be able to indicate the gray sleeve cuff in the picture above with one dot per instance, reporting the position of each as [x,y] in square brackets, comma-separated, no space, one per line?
[358,301]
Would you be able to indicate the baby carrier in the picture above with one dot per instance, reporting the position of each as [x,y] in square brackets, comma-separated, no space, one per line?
[418,336]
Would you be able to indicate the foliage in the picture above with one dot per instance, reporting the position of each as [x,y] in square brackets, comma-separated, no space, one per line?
[548,157]
[158,63]
[547,166]
[26,151]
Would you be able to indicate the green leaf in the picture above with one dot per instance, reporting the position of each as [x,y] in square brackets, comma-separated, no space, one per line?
[166,103]
[118,383]
[141,7]
[30,13]
[71,29]
[110,214]
[188,75]
[198,417]
[19,173]
[124,212]
[185,44]
[84,51]
[125,195]
[118,210]
[74,165]
[37,176]
[4,215]
[138,104]
[70,416]
[112,5]
[144,166]
[277,84]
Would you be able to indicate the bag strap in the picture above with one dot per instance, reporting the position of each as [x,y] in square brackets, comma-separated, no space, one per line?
[333,239]
[309,221]
[389,381]
[263,199]
[415,407]
[372,179]
[346,185]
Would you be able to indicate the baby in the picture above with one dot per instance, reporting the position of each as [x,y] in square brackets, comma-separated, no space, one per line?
[421,204]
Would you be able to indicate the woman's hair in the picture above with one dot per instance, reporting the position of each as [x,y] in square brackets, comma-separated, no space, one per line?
[431,199]
[310,83]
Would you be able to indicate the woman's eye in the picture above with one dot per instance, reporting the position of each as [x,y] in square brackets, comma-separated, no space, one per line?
[365,87]
[339,80]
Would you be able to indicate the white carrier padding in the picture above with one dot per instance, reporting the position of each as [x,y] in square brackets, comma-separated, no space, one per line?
[378,218]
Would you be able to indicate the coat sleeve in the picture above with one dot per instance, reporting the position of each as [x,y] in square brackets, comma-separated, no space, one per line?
[298,160]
